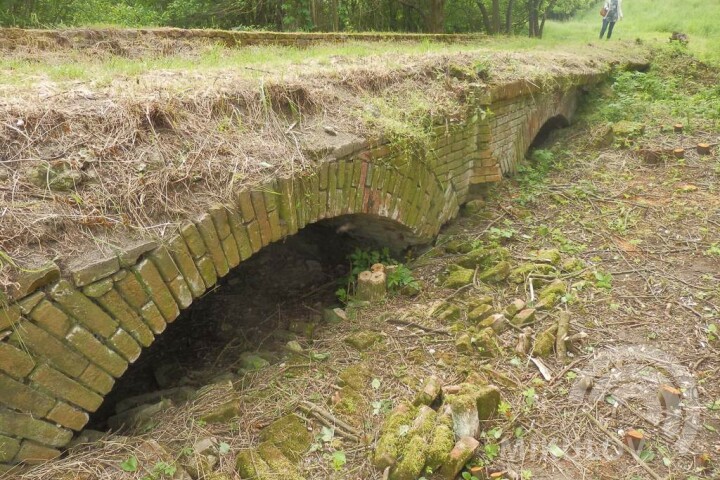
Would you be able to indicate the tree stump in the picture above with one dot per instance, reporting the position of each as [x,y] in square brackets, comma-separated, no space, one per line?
[634,439]
[371,286]
[678,127]
[703,148]
[561,338]
[679,153]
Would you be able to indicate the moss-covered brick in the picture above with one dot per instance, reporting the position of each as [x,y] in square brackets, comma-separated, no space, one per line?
[9,316]
[65,388]
[312,189]
[32,453]
[83,309]
[153,283]
[286,206]
[44,345]
[342,175]
[184,261]
[276,231]
[98,353]
[99,288]
[290,435]
[212,242]
[219,216]
[94,270]
[232,254]
[271,194]
[193,240]
[131,289]
[8,448]
[278,462]
[97,379]
[28,303]
[261,213]
[113,302]
[253,229]
[180,292]
[245,205]
[164,263]
[51,319]
[248,464]
[30,281]
[129,255]
[206,267]
[153,318]
[125,345]
[412,463]
[24,398]
[68,417]
[357,166]
[15,362]
[25,426]
[240,233]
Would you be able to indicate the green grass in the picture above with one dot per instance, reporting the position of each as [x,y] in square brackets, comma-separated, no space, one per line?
[652,21]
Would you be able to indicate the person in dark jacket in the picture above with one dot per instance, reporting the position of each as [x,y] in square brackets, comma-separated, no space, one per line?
[613,9]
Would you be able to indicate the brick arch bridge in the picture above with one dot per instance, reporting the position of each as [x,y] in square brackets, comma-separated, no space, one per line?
[66,336]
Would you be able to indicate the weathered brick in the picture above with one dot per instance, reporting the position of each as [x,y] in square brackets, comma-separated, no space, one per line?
[220,220]
[25,426]
[83,309]
[65,388]
[193,240]
[153,318]
[44,345]
[113,302]
[230,249]
[164,263]
[100,354]
[129,255]
[8,448]
[32,280]
[206,267]
[148,275]
[28,303]
[276,232]
[125,345]
[9,316]
[184,261]
[286,206]
[51,319]
[212,242]
[180,291]
[21,397]
[271,195]
[240,234]
[254,234]
[244,202]
[32,453]
[93,270]
[258,201]
[98,289]
[15,362]
[97,379]
[68,417]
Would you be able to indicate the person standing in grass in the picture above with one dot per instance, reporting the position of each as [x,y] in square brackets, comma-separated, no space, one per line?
[613,13]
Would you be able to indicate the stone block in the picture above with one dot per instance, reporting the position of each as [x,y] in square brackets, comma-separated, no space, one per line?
[206,267]
[209,235]
[32,453]
[100,354]
[153,318]
[97,379]
[125,345]
[164,263]
[113,302]
[24,398]
[51,319]
[181,292]
[153,283]
[193,240]
[230,248]
[8,448]
[184,261]
[129,255]
[15,362]
[240,233]
[68,417]
[25,426]
[44,345]
[261,213]
[83,309]
[9,316]
[219,216]
[99,288]
[28,303]
[93,270]
[28,282]
[286,206]
[253,230]
[244,202]
[276,230]
[65,388]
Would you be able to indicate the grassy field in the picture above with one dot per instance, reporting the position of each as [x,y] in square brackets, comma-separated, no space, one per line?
[651,21]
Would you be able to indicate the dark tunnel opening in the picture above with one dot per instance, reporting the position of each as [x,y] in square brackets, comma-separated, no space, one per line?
[545,134]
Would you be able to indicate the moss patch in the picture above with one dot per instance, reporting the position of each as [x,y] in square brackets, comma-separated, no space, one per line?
[290,435]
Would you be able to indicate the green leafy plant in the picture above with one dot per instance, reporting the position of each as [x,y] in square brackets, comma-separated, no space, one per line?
[361,260]
[603,280]
[130,464]
[338,460]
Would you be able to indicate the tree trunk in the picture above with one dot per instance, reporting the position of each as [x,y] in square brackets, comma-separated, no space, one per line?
[485,17]
[508,17]
[436,19]
[496,16]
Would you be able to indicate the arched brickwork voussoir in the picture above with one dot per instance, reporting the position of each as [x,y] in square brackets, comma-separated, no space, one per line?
[66,336]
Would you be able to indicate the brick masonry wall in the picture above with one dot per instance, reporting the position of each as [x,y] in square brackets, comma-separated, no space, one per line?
[65,337]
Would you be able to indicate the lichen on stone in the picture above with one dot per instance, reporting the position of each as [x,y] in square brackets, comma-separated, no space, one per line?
[290,435]
[457,277]
[412,463]
[495,274]
[393,436]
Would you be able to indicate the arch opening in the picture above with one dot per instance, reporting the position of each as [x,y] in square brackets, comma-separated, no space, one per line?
[544,135]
